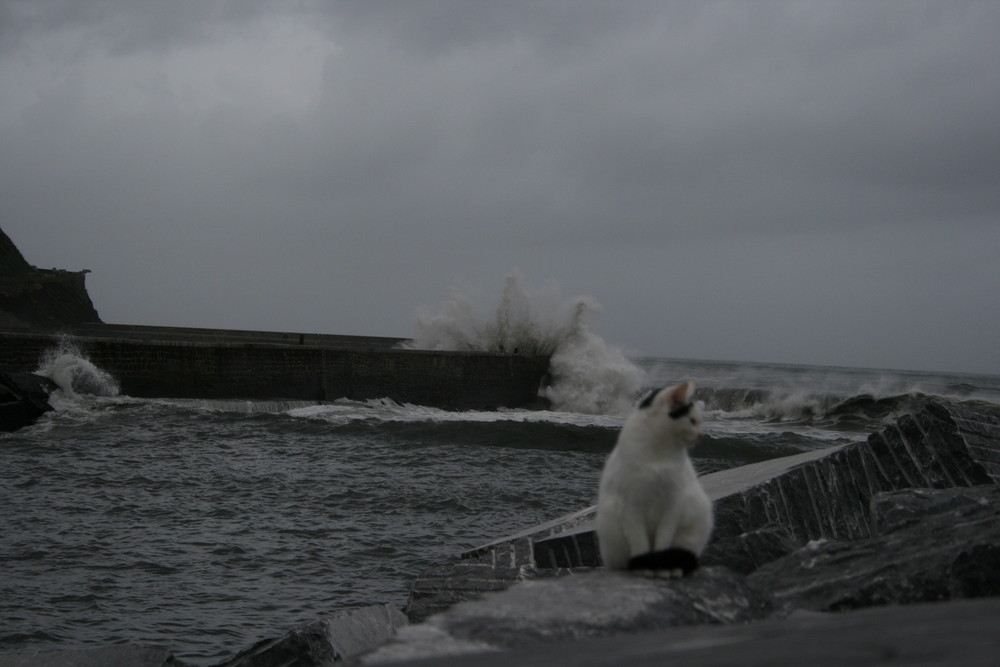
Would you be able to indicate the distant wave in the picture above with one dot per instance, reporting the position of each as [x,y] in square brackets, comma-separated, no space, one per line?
[753,402]
[860,411]
[522,429]
[869,406]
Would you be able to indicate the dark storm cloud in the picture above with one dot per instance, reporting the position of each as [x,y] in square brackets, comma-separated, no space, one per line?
[777,172]
[433,28]
[122,27]
[705,109]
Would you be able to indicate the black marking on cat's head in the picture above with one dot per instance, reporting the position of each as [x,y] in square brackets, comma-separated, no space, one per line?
[646,402]
[681,410]
[680,402]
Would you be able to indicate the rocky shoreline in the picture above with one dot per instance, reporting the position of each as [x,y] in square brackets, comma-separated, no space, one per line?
[891,545]
[24,397]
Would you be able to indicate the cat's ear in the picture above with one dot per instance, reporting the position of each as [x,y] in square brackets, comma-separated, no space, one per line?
[681,394]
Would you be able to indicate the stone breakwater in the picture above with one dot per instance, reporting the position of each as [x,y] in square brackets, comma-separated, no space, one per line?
[765,510]
[900,535]
[911,516]
[174,362]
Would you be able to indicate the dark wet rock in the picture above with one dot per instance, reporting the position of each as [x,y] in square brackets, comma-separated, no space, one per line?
[24,397]
[746,552]
[308,644]
[437,588]
[898,510]
[335,638]
[953,552]
[595,603]
[951,633]
[105,656]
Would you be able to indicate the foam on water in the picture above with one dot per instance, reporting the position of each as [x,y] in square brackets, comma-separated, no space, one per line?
[384,410]
[234,406]
[587,375]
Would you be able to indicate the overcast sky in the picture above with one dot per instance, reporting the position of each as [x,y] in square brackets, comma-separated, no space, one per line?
[806,182]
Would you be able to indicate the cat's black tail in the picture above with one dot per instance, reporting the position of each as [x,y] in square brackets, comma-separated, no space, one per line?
[668,559]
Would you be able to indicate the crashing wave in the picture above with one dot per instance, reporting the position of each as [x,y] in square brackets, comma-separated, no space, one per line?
[586,375]
[75,374]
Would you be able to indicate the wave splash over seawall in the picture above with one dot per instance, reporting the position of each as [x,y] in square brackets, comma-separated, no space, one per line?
[586,375]
[74,373]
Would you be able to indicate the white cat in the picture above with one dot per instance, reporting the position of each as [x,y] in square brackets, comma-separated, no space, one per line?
[652,513]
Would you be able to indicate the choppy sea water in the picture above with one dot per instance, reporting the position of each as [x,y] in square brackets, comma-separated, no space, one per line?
[206,526]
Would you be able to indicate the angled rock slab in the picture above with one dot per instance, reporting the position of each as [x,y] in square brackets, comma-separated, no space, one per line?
[335,638]
[748,551]
[952,553]
[944,445]
[592,604]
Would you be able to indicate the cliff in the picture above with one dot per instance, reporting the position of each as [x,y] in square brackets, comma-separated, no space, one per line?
[40,298]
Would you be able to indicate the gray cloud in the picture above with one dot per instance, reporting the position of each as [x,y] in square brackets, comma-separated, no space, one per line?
[810,182]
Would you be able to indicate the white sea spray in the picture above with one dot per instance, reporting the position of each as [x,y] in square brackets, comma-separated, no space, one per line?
[586,374]
[75,374]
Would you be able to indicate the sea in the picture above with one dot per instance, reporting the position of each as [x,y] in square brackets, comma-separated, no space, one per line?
[205,526]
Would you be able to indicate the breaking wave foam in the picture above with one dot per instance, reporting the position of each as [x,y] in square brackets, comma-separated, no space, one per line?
[586,374]
[75,374]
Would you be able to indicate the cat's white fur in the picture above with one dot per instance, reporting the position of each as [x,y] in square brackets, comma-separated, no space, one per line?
[650,498]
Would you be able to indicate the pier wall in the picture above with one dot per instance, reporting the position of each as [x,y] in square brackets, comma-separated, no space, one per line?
[171,362]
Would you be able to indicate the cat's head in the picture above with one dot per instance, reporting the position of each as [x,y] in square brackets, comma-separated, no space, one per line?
[670,413]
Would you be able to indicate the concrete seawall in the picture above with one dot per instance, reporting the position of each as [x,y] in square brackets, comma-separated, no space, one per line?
[172,362]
